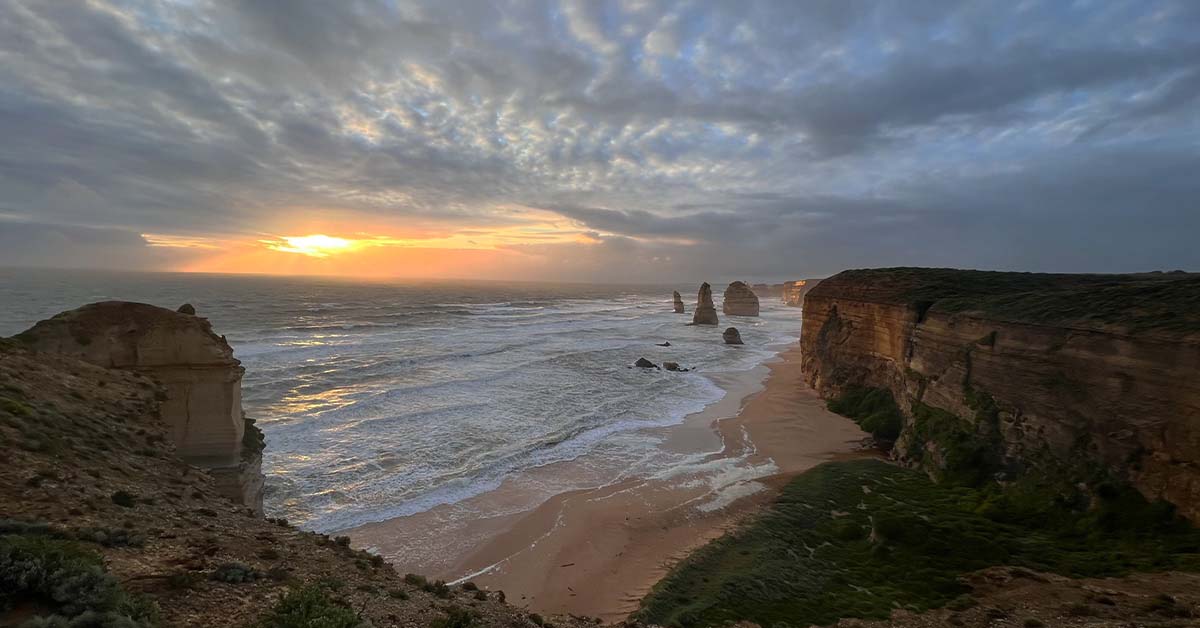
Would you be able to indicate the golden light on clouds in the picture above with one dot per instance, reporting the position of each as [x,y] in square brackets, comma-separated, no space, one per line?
[317,245]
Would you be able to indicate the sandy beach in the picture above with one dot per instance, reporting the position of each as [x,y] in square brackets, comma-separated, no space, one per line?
[596,552]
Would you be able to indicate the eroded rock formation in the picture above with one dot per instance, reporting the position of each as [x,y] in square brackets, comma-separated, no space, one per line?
[705,313]
[203,405]
[732,336]
[740,300]
[1032,371]
[678,302]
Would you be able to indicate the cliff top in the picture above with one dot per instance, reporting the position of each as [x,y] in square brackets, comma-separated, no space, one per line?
[127,334]
[91,480]
[1167,303]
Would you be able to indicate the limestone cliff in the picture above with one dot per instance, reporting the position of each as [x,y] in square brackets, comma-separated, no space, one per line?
[740,300]
[1023,370]
[677,302]
[793,291]
[202,380]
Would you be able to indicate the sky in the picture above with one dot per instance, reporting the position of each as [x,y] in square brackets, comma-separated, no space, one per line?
[632,140]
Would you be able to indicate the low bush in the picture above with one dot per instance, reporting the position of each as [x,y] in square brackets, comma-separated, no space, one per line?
[69,581]
[874,409]
[235,573]
[309,607]
[456,617]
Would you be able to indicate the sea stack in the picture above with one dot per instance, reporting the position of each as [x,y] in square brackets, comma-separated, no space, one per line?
[678,303]
[705,314]
[203,382]
[732,336]
[740,300]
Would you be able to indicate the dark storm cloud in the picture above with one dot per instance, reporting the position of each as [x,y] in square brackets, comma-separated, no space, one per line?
[798,137]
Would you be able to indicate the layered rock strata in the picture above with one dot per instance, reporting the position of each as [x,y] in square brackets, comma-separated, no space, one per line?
[740,300]
[705,313]
[1034,371]
[202,379]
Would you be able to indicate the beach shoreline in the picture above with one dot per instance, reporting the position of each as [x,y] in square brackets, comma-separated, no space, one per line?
[598,551]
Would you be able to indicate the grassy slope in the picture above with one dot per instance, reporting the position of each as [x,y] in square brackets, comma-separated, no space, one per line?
[1135,303]
[855,539]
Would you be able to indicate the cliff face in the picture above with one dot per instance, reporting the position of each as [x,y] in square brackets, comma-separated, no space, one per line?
[1034,370]
[202,380]
[793,291]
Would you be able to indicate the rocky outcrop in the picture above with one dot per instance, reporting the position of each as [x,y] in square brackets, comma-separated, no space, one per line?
[202,379]
[705,313]
[678,302]
[187,308]
[643,363]
[732,336]
[740,300]
[1066,373]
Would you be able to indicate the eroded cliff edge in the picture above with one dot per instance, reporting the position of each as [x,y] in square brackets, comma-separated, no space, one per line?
[202,401]
[1000,373]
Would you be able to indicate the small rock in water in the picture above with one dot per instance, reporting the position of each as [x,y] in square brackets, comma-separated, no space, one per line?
[664,344]
[187,308]
[671,366]
[732,336]
[644,363]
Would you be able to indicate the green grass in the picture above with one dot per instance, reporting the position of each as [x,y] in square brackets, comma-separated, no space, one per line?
[874,409]
[856,539]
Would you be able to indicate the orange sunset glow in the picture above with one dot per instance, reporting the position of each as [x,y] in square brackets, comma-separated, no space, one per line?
[377,251]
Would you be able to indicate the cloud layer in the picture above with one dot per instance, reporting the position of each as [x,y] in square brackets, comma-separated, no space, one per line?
[671,140]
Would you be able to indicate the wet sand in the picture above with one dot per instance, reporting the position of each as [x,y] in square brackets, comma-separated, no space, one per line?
[598,551]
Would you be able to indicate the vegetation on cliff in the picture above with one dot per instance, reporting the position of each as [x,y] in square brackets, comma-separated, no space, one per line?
[1133,303]
[874,409]
[858,539]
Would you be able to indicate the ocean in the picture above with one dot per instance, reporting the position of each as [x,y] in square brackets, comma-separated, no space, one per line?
[386,399]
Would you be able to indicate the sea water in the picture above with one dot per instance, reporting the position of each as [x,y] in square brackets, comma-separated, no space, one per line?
[385,399]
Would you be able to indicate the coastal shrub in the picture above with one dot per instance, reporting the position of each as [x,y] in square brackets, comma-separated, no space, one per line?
[124,499]
[456,617]
[15,408]
[309,607]
[415,580]
[235,573]
[874,409]
[965,455]
[69,582]
[808,559]
[437,588]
